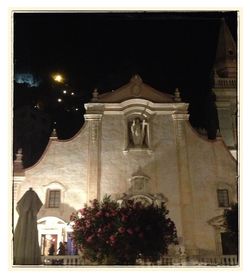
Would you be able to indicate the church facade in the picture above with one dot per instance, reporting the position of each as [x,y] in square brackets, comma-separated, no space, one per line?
[136,143]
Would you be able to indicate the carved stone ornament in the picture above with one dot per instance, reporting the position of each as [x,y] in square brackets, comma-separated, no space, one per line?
[95,95]
[145,199]
[94,131]
[217,222]
[136,88]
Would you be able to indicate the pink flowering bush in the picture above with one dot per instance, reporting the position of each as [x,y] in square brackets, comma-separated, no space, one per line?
[110,234]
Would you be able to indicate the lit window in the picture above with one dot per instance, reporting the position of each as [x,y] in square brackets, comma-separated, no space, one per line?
[54,198]
[223,199]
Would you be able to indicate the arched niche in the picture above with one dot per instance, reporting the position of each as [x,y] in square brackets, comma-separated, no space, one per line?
[138,129]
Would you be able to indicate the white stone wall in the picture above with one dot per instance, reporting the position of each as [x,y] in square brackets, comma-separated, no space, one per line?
[211,166]
[183,167]
[159,164]
[64,166]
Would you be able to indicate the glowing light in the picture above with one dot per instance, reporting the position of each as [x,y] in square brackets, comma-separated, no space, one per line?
[76,109]
[59,100]
[72,93]
[58,78]
[64,91]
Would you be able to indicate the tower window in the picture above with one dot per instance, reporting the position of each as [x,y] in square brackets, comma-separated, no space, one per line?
[223,200]
[54,198]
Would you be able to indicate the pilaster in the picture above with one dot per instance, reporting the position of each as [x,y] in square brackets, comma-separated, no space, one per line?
[94,118]
[185,188]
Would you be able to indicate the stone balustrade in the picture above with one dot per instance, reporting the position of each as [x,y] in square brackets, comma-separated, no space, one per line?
[224,260]
[225,82]
[62,260]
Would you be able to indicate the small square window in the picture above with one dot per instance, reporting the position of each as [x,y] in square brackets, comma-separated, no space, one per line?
[54,198]
[223,199]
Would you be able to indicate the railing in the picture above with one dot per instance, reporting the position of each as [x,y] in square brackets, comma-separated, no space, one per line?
[224,260]
[225,82]
[62,260]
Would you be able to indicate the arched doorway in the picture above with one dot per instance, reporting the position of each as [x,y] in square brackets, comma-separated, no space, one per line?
[52,230]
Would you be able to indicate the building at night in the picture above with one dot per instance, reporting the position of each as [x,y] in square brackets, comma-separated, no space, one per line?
[225,87]
[137,143]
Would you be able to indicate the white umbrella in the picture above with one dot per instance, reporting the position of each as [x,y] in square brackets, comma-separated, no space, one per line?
[26,246]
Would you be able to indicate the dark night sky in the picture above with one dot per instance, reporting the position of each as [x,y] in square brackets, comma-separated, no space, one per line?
[104,50]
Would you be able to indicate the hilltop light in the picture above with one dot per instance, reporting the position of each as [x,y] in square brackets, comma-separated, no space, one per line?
[58,78]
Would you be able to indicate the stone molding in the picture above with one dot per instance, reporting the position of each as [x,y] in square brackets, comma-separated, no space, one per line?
[185,188]
[94,149]
[180,117]
[128,106]
[55,185]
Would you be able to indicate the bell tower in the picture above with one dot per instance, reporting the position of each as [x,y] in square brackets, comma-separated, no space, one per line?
[225,86]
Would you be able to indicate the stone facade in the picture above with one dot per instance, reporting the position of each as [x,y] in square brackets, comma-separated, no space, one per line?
[225,87]
[167,162]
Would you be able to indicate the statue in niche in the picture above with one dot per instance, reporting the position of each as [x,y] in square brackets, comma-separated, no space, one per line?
[138,130]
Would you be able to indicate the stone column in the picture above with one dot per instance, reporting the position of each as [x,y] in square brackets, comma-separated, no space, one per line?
[94,147]
[185,188]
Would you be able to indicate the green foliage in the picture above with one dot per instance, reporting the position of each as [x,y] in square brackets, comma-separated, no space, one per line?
[110,234]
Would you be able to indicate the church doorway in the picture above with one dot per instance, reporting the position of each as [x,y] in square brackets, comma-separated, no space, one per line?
[51,231]
[48,240]
[229,244]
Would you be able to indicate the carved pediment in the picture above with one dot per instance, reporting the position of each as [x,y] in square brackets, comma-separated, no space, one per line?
[134,89]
